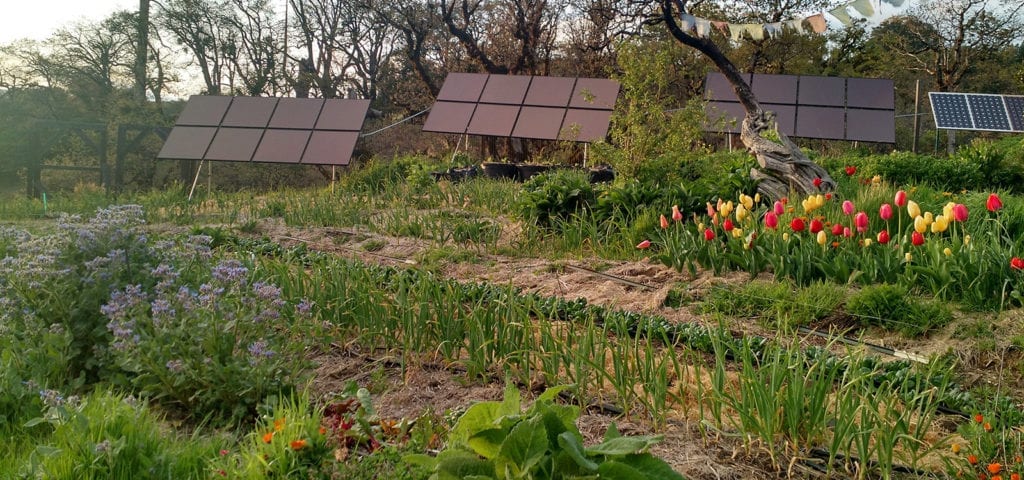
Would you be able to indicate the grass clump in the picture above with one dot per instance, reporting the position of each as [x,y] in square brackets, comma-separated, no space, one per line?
[890,307]
[776,304]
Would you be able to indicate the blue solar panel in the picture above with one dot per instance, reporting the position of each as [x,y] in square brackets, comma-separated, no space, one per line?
[1015,107]
[989,112]
[951,111]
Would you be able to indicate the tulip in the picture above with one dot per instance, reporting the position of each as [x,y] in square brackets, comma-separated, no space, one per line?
[816,226]
[785,236]
[883,237]
[817,182]
[940,225]
[819,200]
[837,229]
[994,203]
[711,209]
[847,232]
[828,196]
[757,197]
[867,242]
[644,245]
[850,170]
[928,218]
[741,212]
[726,208]
[663,222]
[676,214]
[727,225]
[885,211]
[861,221]
[797,224]
[1017,263]
[771,220]
[848,207]
[908,257]
[876,180]
[913,209]
[778,208]
[748,242]
[917,239]
[947,209]
[947,251]
[960,212]
[967,239]
[920,226]
[901,198]
[709,234]
[822,238]
[737,232]
[746,201]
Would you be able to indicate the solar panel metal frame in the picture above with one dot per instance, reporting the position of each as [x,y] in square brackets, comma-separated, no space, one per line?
[985,112]
[988,112]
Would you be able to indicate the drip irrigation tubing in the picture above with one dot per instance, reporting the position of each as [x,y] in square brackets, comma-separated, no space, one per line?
[406,119]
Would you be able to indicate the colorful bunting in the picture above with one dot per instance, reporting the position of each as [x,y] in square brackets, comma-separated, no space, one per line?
[817,23]
[863,7]
[701,27]
[841,14]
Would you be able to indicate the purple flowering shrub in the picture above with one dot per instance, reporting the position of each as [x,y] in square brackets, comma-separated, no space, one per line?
[215,350]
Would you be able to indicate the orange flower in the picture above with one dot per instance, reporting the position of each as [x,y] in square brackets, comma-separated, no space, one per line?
[994,468]
[987,427]
[955,447]
[267,437]
[279,425]
[322,430]
[978,418]
[972,459]
[997,477]
[1014,476]
[298,444]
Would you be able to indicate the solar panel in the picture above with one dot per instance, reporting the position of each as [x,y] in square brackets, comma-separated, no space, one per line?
[870,125]
[1015,109]
[785,117]
[822,91]
[493,120]
[870,93]
[820,122]
[950,111]
[775,88]
[264,129]
[597,93]
[539,122]
[724,116]
[988,112]
[506,89]
[462,87]
[449,117]
[585,125]
[550,91]
[716,87]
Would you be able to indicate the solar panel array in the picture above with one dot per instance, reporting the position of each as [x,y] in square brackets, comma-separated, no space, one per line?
[523,106]
[312,131]
[835,108]
[978,111]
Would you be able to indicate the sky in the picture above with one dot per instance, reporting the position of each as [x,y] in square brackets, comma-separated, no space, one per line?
[37,19]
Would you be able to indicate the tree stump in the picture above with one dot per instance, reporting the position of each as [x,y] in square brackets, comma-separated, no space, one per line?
[784,168]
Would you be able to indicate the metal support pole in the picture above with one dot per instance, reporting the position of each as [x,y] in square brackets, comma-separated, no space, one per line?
[199,171]
[917,116]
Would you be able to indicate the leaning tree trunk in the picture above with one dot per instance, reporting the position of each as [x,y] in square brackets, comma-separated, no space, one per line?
[784,169]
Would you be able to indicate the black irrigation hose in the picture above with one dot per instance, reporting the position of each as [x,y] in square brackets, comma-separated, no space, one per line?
[823,454]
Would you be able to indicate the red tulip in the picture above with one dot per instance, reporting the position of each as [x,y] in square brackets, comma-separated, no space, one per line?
[848,207]
[828,196]
[771,220]
[960,212]
[816,226]
[885,211]
[676,214]
[916,239]
[644,245]
[883,237]
[837,229]
[901,199]
[861,221]
[709,234]
[779,208]
[727,225]
[817,182]
[994,203]
[663,222]
[850,170]
[1017,263]
[797,224]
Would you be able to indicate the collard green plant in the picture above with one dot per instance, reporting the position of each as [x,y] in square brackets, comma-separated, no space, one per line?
[498,440]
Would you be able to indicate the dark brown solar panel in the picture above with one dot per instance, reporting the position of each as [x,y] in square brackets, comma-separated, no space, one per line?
[493,120]
[785,117]
[449,117]
[870,125]
[594,93]
[204,110]
[823,91]
[234,144]
[281,146]
[330,148]
[716,87]
[249,112]
[820,122]
[539,122]
[187,143]
[775,88]
[338,114]
[870,93]
[585,125]
[462,87]
[505,89]
[296,113]
[550,91]
[725,116]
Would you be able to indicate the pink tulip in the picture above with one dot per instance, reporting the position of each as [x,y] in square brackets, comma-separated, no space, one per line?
[711,209]
[779,208]
[885,211]
[960,212]
[676,214]
[663,222]
[901,199]
[861,221]
[771,220]
[848,207]
[993,204]
[847,232]
[644,245]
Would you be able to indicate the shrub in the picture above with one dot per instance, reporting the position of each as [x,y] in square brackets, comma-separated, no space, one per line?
[557,196]
[951,174]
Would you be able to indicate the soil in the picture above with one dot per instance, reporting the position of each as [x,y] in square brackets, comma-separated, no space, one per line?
[640,286]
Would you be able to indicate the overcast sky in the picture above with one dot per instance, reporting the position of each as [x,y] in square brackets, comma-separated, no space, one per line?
[37,19]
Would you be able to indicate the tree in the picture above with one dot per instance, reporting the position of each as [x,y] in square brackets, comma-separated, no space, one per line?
[203,29]
[784,168]
[141,49]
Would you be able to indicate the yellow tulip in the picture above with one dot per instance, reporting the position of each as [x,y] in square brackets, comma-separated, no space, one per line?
[947,251]
[967,239]
[867,242]
[737,232]
[741,212]
[941,224]
[785,236]
[876,180]
[913,209]
[928,218]
[947,210]
[808,204]
[700,227]
[908,257]
[726,209]
[746,201]
[919,224]
[757,197]
[819,201]
[822,238]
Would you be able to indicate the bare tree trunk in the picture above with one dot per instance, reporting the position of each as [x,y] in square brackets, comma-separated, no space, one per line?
[141,51]
[784,168]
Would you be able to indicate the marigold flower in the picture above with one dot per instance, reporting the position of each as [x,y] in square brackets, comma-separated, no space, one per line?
[268,437]
[771,220]
[994,468]
[797,224]
[978,418]
[883,237]
[901,198]
[955,448]
[279,424]
[972,459]
[848,207]
[663,222]
[917,239]
[298,444]
[1014,476]
[644,245]
[885,211]
[994,204]
[1017,263]
[828,196]
[676,214]
[709,234]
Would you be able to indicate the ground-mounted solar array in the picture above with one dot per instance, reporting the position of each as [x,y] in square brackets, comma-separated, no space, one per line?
[523,106]
[834,108]
[312,131]
[978,111]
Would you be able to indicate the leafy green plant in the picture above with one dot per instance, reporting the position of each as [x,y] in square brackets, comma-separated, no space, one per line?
[499,440]
[554,196]
[890,306]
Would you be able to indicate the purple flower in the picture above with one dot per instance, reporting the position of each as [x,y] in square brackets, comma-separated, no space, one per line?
[266,291]
[161,310]
[51,398]
[123,301]
[229,271]
[304,307]
[258,351]
[175,366]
